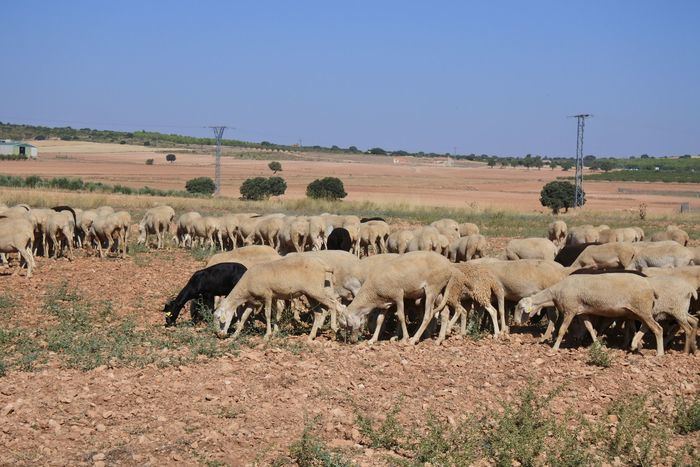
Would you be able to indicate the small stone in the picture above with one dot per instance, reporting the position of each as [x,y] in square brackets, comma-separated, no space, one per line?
[613,419]
[107,414]
[539,361]
[100,456]
[100,427]
[99,464]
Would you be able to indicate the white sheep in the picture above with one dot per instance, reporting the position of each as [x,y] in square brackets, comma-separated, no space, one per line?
[584,295]
[531,248]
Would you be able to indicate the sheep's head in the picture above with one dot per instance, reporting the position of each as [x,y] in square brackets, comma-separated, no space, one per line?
[523,309]
[170,317]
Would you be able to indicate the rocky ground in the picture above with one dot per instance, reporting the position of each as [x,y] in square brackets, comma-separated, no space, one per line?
[211,402]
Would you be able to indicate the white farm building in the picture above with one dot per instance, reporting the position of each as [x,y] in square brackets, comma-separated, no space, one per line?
[18,149]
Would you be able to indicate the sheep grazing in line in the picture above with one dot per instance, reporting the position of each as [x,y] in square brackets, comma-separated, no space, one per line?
[479,286]
[285,278]
[568,254]
[426,238]
[467,228]
[607,255]
[448,227]
[202,288]
[673,301]
[184,229]
[467,248]
[246,255]
[60,228]
[398,241]
[374,233]
[414,275]
[590,295]
[666,254]
[110,229]
[17,236]
[156,221]
[556,232]
[339,239]
[531,248]
[672,232]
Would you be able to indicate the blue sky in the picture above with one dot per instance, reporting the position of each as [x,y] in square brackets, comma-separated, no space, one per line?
[494,77]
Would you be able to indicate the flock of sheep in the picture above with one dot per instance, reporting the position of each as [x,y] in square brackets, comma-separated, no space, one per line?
[363,271]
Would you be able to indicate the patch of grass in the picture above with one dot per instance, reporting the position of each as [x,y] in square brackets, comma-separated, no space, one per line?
[636,438]
[389,432]
[442,444]
[687,418]
[598,355]
[310,451]
[6,301]
[201,253]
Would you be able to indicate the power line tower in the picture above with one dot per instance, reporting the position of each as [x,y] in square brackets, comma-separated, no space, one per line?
[218,133]
[578,192]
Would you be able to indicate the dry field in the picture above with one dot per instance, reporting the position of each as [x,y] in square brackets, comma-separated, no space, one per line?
[94,378]
[366,178]
[91,376]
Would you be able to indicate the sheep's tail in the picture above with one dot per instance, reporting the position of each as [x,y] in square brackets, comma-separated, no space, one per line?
[66,208]
[446,294]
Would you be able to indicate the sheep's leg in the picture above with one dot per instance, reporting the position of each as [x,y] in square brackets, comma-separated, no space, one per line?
[502,314]
[494,318]
[590,329]
[27,257]
[568,317]
[402,317]
[655,327]
[241,322]
[445,322]
[378,327]
[268,318]
[427,317]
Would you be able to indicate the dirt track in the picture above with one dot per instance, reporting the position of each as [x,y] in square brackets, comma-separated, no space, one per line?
[250,404]
[366,178]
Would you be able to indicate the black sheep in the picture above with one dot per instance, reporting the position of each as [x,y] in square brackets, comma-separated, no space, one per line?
[569,253]
[203,286]
[339,239]
[367,219]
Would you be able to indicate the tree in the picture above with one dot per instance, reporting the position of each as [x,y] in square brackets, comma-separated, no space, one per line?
[275,167]
[255,189]
[200,185]
[606,166]
[258,188]
[566,165]
[553,164]
[276,186]
[353,149]
[588,160]
[170,158]
[149,161]
[379,151]
[492,163]
[559,195]
[326,188]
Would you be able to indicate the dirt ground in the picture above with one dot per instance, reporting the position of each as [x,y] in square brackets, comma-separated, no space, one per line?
[366,178]
[248,405]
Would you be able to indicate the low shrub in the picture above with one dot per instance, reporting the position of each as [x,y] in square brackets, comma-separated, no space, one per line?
[201,185]
[326,188]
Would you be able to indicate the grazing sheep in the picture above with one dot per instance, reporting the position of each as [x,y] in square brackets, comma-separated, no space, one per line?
[207,230]
[672,233]
[60,227]
[84,221]
[673,301]
[16,236]
[248,256]
[531,248]
[568,254]
[607,255]
[585,295]
[467,228]
[582,234]
[285,278]
[522,278]
[466,248]
[556,232]
[184,229]
[317,232]
[448,227]
[104,211]
[339,239]
[426,238]
[611,235]
[294,235]
[266,232]
[203,287]
[418,274]
[374,233]
[156,221]
[398,241]
[667,254]
[111,228]
[476,283]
